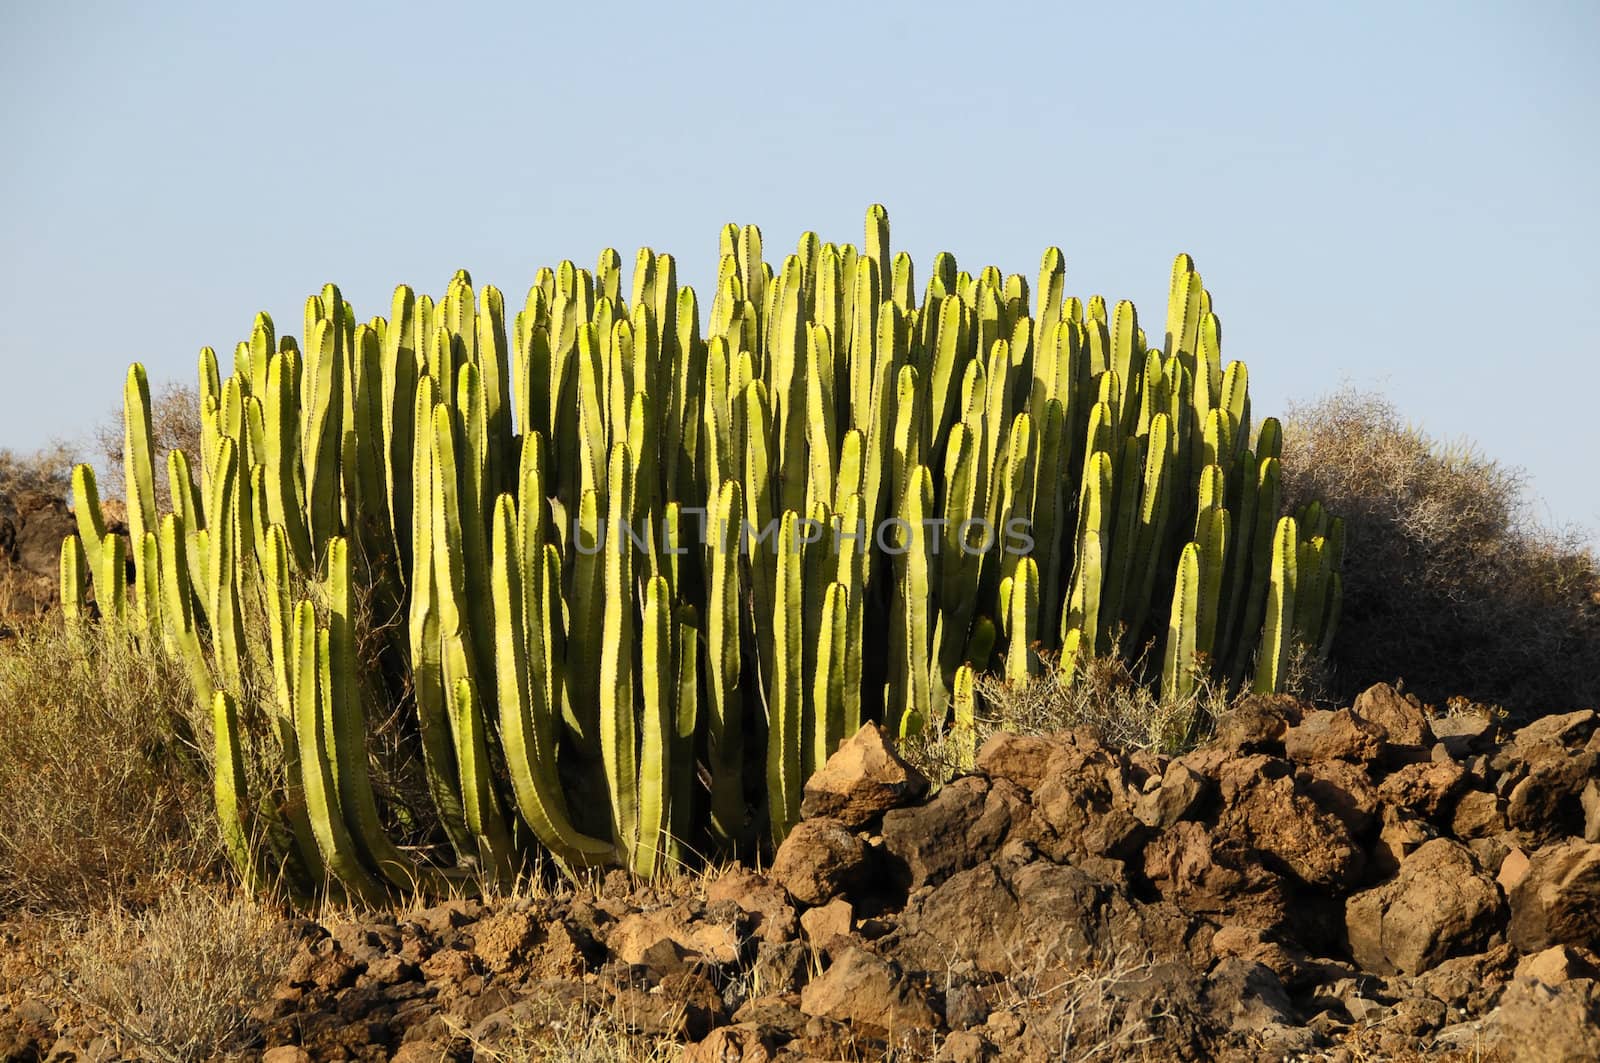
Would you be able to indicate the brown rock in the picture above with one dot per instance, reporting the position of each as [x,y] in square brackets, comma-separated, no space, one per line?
[1547,804]
[506,939]
[286,1054]
[1333,735]
[930,842]
[1400,715]
[1513,869]
[669,938]
[781,966]
[1464,734]
[1273,816]
[862,780]
[1558,900]
[1590,800]
[832,920]
[1440,905]
[1174,799]
[1400,836]
[1258,723]
[1424,789]
[1344,789]
[1566,729]
[1020,758]
[818,860]
[743,1043]
[1558,964]
[1477,815]
[1535,1023]
[862,988]
[758,895]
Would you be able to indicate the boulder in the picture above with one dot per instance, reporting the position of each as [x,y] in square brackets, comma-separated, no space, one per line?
[1020,758]
[1342,788]
[1439,905]
[1557,901]
[819,859]
[1463,734]
[861,987]
[1040,917]
[1400,715]
[1536,1023]
[668,938]
[1274,817]
[1257,724]
[1563,730]
[1333,735]
[1174,798]
[862,780]
[1477,815]
[1547,804]
[827,923]
[1558,965]
[1424,789]
[959,826]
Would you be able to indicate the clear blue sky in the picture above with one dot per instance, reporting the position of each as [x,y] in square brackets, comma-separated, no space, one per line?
[1399,196]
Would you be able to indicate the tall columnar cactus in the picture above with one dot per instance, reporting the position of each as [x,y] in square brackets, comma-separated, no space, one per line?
[634,573]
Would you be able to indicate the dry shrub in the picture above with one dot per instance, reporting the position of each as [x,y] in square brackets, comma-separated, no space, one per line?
[1100,1010]
[174,425]
[1108,699]
[101,796]
[178,979]
[47,472]
[1450,583]
[601,1031]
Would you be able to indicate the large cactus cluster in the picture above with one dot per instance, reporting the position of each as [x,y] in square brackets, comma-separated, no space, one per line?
[626,574]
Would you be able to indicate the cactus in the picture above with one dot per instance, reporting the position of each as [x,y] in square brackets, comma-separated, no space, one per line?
[631,546]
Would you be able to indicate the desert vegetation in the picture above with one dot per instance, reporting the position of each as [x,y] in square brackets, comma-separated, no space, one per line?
[617,681]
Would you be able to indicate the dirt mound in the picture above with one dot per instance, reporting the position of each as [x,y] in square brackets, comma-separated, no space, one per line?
[1312,884]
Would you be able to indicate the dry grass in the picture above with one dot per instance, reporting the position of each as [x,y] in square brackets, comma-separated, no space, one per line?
[101,799]
[178,980]
[1450,582]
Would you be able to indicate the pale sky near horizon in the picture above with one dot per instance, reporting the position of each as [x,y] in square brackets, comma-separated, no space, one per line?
[1396,196]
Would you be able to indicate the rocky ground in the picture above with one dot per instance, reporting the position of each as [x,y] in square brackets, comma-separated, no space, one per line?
[32,525]
[1368,883]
